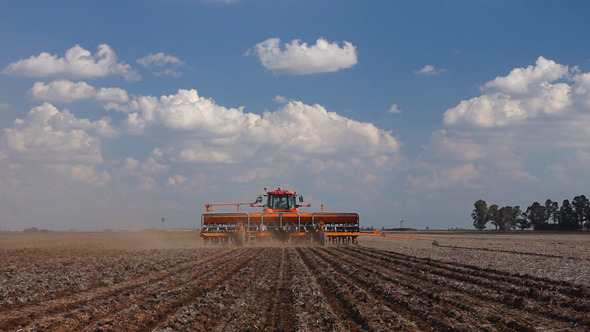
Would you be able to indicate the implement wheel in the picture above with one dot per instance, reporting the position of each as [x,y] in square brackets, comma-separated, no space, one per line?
[321,238]
[240,238]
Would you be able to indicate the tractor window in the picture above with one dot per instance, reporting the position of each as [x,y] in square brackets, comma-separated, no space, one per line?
[280,202]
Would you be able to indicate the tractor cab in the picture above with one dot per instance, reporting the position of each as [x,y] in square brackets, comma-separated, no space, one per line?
[280,201]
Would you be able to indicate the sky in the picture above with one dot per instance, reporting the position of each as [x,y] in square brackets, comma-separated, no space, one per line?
[114,115]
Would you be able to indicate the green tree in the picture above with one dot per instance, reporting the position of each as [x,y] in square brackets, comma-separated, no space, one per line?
[507,216]
[494,215]
[566,216]
[517,218]
[480,214]
[504,220]
[581,213]
[522,221]
[552,210]
[536,215]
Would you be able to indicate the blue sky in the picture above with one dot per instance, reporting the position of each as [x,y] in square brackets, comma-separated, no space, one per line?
[115,115]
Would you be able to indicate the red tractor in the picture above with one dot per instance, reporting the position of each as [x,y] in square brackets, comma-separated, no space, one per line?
[279,221]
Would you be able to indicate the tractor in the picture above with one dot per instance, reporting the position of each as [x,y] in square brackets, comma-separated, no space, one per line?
[280,221]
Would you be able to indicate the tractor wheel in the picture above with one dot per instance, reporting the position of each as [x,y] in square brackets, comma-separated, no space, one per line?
[240,238]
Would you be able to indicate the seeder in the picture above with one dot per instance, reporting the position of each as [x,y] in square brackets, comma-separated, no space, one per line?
[280,221]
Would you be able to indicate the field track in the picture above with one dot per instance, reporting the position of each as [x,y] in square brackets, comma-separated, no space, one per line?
[348,288]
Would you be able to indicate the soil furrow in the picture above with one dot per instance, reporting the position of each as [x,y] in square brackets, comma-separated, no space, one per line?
[74,272]
[158,311]
[21,317]
[280,316]
[505,293]
[420,310]
[98,311]
[249,295]
[554,286]
[238,301]
[520,286]
[363,308]
[453,302]
[313,309]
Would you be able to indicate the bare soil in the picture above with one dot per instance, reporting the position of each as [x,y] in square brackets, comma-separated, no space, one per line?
[170,281]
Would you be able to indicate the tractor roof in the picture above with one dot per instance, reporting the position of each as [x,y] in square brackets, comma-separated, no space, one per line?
[280,191]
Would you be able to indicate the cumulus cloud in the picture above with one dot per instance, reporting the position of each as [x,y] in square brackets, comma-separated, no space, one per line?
[523,80]
[162,60]
[77,63]
[185,111]
[525,93]
[298,58]
[312,129]
[530,126]
[51,136]
[296,127]
[429,70]
[68,91]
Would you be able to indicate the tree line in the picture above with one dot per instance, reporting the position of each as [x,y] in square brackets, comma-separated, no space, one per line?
[570,216]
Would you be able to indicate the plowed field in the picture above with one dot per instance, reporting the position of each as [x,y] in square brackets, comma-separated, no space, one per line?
[341,288]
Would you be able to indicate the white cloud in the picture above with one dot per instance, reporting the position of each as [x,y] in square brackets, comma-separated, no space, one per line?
[52,136]
[280,99]
[186,111]
[176,180]
[530,127]
[296,127]
[68,91]
[82,173]
[151,166]
[300,59]
[230,145]
[159,59]
[429,70]
[394,109]
[525,94]
[143,173]
[521,80]
[440,178]
[312,129]
[77,63]
[168,72]
[456,147]
[203,155]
